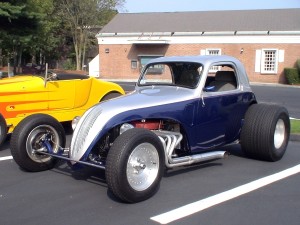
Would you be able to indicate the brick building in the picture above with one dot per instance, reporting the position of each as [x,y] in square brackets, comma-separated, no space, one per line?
[266,41]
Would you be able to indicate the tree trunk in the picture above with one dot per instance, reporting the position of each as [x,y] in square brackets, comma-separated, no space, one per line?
[1,58]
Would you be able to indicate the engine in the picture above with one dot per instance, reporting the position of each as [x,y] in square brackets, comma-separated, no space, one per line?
[100,150]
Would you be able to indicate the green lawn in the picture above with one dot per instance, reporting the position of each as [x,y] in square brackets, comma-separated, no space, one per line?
[295,126]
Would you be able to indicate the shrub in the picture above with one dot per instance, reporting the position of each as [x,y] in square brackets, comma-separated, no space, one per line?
[292,75]
[69,65]
[298,65]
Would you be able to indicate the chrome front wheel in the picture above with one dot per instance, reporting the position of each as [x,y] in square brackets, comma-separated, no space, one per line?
[135,165]
[142,167]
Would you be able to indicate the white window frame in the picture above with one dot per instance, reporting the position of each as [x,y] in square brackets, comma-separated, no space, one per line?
[207,52]
[263,62]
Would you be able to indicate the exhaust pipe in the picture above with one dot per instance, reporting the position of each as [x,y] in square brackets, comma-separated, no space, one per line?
[171,139]
[203,157]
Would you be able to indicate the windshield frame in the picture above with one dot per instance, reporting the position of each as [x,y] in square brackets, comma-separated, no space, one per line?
[176,70]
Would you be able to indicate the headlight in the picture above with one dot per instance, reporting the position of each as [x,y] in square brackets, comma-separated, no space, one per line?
[125,126]
[75,122]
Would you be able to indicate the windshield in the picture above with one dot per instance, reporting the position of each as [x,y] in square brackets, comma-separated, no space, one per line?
[185,74]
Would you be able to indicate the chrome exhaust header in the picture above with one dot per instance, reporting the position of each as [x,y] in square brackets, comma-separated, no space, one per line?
[171,139]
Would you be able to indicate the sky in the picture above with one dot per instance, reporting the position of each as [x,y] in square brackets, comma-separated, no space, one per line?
[138,6]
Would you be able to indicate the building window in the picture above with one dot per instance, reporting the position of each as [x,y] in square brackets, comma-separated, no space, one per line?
[269,61]
[144,59]
[133,64]
[215,51]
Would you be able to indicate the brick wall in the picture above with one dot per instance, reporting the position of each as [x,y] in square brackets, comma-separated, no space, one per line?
[115,60]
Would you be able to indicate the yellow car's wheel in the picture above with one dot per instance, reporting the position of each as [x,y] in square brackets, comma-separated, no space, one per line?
[3,130]
[28,142]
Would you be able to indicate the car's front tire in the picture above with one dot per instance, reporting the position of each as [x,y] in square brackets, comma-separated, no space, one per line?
[26,141]
[265,133]
[135,165]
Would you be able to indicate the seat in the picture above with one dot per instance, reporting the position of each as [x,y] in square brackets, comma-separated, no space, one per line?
[224,81]
[189,78]
[72,76]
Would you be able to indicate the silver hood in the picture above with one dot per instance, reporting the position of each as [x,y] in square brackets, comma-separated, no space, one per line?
[96,118]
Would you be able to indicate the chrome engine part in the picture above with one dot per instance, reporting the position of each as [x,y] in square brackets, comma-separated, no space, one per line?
[171,139]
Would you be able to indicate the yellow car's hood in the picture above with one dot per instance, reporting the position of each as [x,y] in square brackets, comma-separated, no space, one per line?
[11,82]
[17,94]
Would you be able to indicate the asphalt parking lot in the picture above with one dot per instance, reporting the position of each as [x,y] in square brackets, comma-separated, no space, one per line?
[236,190]
[230,191]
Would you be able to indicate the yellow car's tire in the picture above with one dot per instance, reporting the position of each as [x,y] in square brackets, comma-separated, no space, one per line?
[3,130]
[27,141]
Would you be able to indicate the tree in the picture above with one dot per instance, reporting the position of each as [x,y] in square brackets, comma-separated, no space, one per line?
[83,15]
[17,22]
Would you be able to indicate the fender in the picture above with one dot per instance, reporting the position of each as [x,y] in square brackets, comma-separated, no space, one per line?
[147,103]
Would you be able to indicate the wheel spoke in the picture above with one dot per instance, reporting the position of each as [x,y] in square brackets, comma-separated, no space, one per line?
[34,142]
[142,166]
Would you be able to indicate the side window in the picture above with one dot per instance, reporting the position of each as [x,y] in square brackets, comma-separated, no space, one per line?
[224,79]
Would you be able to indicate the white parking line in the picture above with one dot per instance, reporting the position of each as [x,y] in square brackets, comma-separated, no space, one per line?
[200,205]
[5,158]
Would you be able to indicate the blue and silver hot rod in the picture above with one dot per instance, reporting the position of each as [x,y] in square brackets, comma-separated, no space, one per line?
[183,111]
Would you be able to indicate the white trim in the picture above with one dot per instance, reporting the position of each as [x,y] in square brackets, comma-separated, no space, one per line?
[257,60]
[202,39]
[197,33]
[281,56]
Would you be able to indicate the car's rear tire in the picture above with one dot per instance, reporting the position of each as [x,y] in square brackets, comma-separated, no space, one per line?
[265,133]
[135,165]
[3,130]
[26,139]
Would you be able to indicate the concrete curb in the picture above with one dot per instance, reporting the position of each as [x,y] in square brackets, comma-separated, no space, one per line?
[295,137]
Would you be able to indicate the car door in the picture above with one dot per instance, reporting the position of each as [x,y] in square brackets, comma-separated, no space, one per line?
[82,92]
[220,110]
[61,94]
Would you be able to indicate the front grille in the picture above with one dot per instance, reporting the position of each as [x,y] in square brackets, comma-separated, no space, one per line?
[84,130]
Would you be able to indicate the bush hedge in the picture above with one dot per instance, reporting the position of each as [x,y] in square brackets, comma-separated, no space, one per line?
[292,75]
[298,64]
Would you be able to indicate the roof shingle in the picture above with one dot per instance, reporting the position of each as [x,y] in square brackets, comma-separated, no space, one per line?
[206,21]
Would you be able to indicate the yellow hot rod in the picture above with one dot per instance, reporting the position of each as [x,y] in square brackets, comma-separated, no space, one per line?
[62,96]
